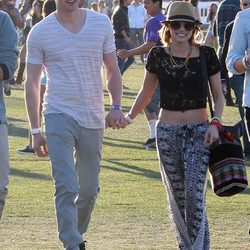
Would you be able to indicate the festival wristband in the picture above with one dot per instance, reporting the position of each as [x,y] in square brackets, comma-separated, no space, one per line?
[116,106]
[217,124]
[216,118]
[34,131]
[128,118]
[245,62]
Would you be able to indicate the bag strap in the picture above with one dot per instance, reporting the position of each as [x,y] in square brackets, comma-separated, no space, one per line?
[206,89]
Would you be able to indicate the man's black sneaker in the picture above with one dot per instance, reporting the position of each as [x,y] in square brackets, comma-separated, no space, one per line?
[82,246]
[26,150]
[150,144]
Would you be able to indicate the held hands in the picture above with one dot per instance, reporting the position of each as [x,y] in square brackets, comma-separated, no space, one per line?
[39,145]
[115,119]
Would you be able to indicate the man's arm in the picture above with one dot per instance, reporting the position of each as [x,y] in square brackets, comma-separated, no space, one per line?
[32,93]
[237,48]
[115,117]
[8,47]
[32,98]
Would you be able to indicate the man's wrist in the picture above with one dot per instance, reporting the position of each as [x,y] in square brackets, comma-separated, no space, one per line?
[116,106]
[34,131]
[245,62]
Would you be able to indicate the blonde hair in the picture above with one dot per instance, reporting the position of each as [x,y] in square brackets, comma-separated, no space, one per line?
[165,35]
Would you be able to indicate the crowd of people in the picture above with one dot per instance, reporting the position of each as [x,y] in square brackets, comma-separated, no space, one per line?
[64,58]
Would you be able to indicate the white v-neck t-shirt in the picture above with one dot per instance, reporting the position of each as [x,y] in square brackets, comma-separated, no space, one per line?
[74,64]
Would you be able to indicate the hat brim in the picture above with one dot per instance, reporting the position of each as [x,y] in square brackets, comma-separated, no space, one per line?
[166,22]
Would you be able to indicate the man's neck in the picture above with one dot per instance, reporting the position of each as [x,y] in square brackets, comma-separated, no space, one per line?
[73,21]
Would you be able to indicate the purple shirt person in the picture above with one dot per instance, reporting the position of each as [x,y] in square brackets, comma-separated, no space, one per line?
[151,39]
[152,27]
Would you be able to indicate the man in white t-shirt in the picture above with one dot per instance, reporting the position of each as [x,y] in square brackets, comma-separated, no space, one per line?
[137,17]
[73,54]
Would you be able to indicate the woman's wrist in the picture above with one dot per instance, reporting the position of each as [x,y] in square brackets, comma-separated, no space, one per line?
[216,121]
[128,118]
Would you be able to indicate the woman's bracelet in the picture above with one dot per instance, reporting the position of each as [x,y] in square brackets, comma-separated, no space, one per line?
[216,123]
[216,118]
[128,118]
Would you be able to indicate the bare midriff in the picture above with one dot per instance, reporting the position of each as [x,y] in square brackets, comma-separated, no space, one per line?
[183,117]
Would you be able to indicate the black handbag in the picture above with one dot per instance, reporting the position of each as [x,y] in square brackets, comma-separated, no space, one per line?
[226,165]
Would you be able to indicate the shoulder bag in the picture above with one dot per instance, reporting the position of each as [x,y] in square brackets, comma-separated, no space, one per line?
[226,165]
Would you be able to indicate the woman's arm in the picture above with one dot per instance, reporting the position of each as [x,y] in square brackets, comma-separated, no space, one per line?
[145,94]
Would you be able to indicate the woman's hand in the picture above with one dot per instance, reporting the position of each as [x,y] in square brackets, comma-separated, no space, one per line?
[211,135]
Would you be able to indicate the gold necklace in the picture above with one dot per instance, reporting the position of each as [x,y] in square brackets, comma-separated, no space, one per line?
[174,63]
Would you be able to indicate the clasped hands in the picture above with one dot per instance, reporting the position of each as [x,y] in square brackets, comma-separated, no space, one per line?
[115,119]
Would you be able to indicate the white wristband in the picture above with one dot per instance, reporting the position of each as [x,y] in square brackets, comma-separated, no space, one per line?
[128,118]
[35,131]
[245,63]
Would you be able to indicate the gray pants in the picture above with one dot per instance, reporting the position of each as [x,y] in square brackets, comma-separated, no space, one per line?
[4,165]
[75,154]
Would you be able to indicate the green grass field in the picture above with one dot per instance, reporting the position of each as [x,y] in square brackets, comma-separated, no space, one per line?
[131,211]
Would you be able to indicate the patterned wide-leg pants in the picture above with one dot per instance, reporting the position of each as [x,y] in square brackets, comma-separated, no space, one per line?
[183,164]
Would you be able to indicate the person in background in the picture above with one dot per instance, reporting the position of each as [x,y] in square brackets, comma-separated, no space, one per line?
[196,9]
[183,131]
[8,6]
[73,54]
[151,38]
[238,57]
[49,6]
[25,11]
[122,34]
[236,80]
[227,11]
[137,17]
[94,6]
[8,64]
[115,5]
[34,16]
[103,8]
[211,38]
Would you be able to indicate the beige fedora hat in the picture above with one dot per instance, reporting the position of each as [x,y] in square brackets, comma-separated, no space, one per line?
[181,11]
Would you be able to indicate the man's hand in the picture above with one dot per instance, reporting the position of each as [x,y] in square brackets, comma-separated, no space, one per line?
[123,53]
[39,145]
[115,119]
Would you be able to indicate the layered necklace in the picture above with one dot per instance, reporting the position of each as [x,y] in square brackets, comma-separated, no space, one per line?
[174,63]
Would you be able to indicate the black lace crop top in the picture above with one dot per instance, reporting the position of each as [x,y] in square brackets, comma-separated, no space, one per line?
[181,88]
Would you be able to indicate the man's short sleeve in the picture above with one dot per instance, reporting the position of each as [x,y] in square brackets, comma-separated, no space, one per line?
[35,53]
[109,42]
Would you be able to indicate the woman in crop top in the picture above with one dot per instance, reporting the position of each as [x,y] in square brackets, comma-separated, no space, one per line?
[183,130]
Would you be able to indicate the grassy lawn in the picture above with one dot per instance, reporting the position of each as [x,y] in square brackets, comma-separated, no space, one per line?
[131,211]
